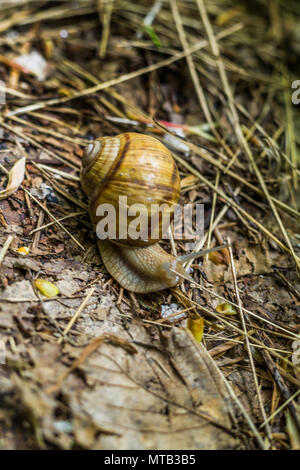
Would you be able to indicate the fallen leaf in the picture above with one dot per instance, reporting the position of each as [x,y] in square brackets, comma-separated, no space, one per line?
[34,63]
[47,288]
[23,250]
[216,257]
[196,326]
[226,308]
[15,178]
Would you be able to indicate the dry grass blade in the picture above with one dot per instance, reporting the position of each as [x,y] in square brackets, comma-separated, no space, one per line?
[212,223]
[5,248]
[54,218]
[77,313]
[107,6]
[234,205]
[246,415]
[212,314]
[243,309]
[282,387]
[237,127]
[69,216]
[50,132]
[36,144]
[199,90]
[280,408]
[217,164]
[57,187]
[291,141]
[239,306]
[112,82]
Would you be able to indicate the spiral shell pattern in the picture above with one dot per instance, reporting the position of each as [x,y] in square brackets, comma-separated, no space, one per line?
[132,165]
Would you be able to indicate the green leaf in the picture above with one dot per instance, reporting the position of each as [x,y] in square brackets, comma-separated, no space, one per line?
[153,36]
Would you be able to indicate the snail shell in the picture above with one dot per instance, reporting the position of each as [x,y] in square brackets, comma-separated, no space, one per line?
[142,169]
[138,167]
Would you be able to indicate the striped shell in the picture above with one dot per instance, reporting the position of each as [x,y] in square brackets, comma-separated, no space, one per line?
[132,165]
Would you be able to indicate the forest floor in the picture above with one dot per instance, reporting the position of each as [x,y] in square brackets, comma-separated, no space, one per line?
[210,364]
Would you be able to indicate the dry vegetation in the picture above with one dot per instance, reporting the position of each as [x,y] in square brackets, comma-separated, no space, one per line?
[95,367]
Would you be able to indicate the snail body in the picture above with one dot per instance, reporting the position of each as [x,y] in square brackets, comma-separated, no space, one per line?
[141,269]
[141,169]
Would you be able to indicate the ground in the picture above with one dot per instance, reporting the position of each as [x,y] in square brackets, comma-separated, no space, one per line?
[214,362]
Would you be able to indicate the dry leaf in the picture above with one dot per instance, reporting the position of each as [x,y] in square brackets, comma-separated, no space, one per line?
[15,178]
[196,326]
[226,308]
[227,15]
[216,257]
[47,288]
[164,399]
[35,63]
[23,250]
[188,181]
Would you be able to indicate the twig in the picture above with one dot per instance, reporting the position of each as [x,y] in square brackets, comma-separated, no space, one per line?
[281,407]
[69,216]
[76,314]
[108,8]
[281,385]
[244,412]
[5,248]
[54,218]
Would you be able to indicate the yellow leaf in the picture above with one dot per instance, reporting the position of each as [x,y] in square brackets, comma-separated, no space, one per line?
[227,15]
[48,289]
[216,257]
[196,326]
[64,92]
[23,250]
[226,308]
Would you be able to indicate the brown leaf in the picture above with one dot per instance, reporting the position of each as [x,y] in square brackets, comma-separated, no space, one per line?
[169,397]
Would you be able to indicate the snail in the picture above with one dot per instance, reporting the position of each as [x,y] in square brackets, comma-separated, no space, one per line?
[140,170]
